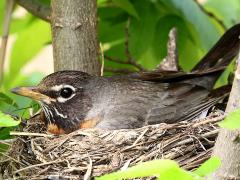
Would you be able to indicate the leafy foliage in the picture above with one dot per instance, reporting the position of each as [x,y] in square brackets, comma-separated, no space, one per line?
[164,169]
[37,34]
[7,120]
[208,167]
[150,22]
[232,121]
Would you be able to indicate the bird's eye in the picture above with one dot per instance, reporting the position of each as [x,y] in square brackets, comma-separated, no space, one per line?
[66,92]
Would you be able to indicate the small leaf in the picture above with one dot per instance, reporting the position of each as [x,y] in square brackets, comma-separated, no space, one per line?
[6,99]
[127,6]
[5,133]
[208,166]
[162,168]
[227,11]
[141,33]
[232,121]
[190,11]
[7,120]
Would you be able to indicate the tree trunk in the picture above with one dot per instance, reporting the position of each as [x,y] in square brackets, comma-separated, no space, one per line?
[74,32]
[227,146]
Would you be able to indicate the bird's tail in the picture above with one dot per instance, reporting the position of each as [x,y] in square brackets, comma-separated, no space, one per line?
[222,52]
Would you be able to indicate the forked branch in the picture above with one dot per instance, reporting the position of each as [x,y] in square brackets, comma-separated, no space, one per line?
[36,8]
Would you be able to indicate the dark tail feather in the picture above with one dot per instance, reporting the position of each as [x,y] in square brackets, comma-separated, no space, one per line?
[222,52]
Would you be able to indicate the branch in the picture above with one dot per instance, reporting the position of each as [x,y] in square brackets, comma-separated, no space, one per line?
[116,60]
[226,147]
[119,61]
[6,25]
[210,14]
[233,102]
[36,8]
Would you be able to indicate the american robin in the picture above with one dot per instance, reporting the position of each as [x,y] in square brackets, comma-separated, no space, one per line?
[73,100]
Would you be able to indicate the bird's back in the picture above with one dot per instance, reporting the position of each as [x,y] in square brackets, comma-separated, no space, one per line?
[131,103]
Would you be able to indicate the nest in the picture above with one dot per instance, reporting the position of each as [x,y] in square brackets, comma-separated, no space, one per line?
[87,153]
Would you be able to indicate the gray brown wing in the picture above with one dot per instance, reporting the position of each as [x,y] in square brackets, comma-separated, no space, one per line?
[143,103]
[186,102]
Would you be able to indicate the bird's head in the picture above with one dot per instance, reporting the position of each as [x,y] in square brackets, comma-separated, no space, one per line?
[65,99]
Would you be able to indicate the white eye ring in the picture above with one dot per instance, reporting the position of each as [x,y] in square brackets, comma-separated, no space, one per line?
[58,88]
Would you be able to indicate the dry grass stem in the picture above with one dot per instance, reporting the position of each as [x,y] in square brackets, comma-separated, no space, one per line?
[92,152]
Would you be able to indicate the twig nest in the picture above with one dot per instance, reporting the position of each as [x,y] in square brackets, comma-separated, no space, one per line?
[95,152]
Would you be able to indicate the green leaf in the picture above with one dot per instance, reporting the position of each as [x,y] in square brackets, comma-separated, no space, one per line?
[28,43]
[164,169]
[232,121]
[224,78]
[202,23]
[227,11]
[7,99]
[7,120]
[141,33]
[127,6]
[22,102]
[188,46]
[208,166]
[5,132]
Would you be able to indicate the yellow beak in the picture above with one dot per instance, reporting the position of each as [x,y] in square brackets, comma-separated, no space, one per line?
[32,92]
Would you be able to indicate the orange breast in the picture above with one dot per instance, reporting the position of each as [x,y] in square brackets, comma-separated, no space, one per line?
[54,129]
[85,124]
[89,123]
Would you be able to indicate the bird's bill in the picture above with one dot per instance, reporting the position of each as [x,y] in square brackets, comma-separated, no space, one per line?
[32,92]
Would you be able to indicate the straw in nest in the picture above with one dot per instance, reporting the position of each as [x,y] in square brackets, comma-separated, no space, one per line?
[92,152]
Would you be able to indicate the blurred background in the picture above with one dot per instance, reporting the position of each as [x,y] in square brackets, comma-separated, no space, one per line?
[143,24]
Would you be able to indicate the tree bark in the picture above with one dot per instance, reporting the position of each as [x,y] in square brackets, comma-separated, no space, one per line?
[36,8]
[74,32]
[227,146]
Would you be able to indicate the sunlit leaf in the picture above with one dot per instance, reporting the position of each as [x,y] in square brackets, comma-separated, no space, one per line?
[7,120]
[232,121]
[164,169]
[7,99]
[22,102]
[226,11]
[202,23]
[208,166]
